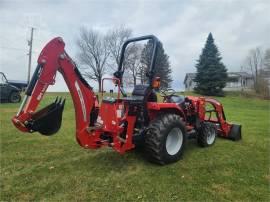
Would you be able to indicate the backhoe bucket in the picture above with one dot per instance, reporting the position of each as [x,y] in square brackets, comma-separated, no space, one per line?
[235,132]
[47,121]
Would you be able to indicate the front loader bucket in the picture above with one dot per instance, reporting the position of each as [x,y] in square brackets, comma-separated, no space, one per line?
[47,121]
[235,132]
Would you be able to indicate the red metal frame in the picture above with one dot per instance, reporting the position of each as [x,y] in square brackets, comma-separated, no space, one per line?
[198,106]
[225,127]
[54,58]
[112,115]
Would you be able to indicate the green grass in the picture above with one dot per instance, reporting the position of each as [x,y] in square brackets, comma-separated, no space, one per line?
[56,168]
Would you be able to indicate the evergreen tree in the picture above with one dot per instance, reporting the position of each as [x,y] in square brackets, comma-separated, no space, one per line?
[211,74]
[162,67]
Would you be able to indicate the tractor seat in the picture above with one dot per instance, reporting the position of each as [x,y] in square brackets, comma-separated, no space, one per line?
[146,92]
[141,94]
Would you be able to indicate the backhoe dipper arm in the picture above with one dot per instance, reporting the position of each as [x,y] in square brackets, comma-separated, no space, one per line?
[53,58]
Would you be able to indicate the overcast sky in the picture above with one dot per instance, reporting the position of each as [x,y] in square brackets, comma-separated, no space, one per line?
[182,26]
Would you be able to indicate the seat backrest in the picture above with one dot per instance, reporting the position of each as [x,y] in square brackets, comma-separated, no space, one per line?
[140,90]
[145,91]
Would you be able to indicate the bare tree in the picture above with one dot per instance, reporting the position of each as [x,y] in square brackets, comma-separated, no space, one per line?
[258,63]
[264,82]
[93,54]
[134,62]
[254,64]
[267,59]
[115,39]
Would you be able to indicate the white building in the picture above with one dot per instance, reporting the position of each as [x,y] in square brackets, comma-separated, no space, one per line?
[237,81]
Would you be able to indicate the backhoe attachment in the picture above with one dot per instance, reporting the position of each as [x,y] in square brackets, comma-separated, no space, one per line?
[47,121]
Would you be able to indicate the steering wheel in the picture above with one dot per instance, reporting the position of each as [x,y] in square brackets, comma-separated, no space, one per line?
[167,93]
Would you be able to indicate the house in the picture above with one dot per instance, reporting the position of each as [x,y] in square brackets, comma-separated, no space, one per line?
[236,81]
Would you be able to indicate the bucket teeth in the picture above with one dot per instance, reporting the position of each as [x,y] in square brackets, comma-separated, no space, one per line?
[59,101]
[63,102]
[56,100]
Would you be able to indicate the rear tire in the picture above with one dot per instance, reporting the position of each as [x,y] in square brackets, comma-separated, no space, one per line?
[14,97]
[165,139]
[207,134]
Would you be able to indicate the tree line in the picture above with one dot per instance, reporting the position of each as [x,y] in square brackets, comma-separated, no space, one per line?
[99,54]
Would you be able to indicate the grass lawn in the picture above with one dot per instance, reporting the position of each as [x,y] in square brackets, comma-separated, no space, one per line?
[56,168]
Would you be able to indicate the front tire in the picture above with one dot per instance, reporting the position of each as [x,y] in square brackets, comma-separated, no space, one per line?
[14,97]
[165,139]
[207,134]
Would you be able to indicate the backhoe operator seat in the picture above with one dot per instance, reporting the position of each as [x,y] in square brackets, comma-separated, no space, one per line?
[144,92]
[140,96]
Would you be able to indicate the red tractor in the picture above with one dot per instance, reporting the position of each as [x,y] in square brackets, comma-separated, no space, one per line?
[122,122]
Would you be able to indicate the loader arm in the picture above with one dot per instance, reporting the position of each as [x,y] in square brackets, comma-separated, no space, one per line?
[226,129]
[47,121]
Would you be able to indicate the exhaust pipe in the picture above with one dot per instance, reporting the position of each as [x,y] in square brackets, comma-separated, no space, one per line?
[48,120]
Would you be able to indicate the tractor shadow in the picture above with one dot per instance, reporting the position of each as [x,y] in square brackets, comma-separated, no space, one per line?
[137,157]
[116,161]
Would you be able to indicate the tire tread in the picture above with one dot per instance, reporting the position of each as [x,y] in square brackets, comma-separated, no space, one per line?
[154,140]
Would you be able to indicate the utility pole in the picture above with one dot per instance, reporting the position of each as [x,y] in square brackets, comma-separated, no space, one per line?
[30,42]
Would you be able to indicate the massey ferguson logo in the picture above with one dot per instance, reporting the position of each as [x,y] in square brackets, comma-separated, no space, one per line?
[42,92]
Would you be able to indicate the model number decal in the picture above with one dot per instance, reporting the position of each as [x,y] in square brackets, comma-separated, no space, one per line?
[42,92]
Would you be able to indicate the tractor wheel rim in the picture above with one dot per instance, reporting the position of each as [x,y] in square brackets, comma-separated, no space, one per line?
[211,135]
[15,98]
[174,141]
